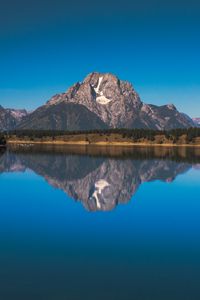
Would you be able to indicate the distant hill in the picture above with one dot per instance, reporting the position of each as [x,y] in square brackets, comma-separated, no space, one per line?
[10,118]
[196,121]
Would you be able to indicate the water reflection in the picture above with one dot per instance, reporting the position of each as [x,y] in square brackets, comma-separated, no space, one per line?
[101,178]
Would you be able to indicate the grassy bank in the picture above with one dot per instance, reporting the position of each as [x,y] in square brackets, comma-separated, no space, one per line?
[107,139]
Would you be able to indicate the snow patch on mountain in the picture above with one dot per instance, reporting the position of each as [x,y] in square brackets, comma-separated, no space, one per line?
[98,86]
[101,99]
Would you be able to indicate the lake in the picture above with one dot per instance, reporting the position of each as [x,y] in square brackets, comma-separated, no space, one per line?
[99,223]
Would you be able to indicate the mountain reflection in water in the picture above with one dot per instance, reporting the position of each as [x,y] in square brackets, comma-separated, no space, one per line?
[101,178]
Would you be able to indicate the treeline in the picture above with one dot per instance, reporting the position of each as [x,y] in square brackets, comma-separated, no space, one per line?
[134,134]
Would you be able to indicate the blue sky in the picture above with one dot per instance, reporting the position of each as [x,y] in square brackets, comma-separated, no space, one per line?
[45,46]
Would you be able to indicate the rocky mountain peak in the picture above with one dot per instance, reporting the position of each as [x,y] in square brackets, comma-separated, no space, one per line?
[93,77]
[111,99]
[103,86]
[171,106]
[115,102]
[107,87]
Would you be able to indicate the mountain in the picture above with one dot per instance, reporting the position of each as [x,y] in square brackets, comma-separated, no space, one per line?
[112,102]
[100,101]
[10,118]
[63,116]
[196,121]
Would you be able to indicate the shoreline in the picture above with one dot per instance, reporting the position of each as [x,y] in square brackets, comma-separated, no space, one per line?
[85,143]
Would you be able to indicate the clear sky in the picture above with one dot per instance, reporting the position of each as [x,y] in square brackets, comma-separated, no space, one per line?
[47,45]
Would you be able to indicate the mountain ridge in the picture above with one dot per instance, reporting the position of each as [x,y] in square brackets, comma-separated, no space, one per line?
[10,118]
[112,103]
[196,121]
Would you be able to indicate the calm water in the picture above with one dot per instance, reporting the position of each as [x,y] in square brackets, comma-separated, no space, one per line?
[99,223]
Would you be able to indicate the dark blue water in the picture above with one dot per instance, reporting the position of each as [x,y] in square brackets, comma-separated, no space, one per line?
[99,224]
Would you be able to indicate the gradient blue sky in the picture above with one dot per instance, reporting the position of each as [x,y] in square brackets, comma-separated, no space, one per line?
[45,46]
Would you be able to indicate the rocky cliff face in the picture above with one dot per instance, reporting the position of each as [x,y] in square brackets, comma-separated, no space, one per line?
[115,103]
[10,118]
